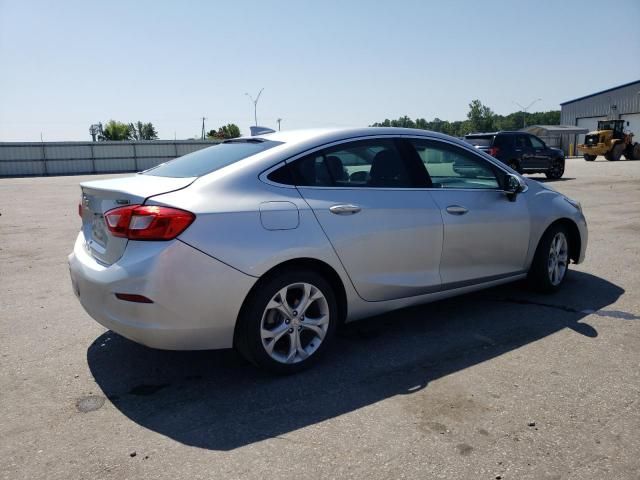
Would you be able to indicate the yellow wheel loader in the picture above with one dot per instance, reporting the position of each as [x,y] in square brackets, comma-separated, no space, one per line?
[611,141]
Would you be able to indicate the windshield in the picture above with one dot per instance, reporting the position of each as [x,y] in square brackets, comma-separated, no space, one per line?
[210,159]
[477,141]
[607,125]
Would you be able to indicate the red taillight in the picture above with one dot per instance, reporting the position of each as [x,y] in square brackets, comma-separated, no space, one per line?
[150,222]
[80,209]
[493,151]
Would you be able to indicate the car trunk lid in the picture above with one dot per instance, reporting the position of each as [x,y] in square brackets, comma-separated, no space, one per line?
[100,196]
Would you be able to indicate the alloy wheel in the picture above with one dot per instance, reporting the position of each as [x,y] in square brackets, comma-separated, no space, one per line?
[558,258]
[294,323]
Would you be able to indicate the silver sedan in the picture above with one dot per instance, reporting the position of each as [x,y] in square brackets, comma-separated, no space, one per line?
[268,243]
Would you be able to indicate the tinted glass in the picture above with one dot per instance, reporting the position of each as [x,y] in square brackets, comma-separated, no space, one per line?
[522,141]
[536,142]
[365,163]
[210,159]
[452,167]
[476,141]
[503,141]
[281,175]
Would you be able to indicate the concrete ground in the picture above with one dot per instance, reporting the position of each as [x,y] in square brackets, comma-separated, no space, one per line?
[500,384]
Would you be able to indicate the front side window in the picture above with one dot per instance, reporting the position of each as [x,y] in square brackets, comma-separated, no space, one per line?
[375,163]
[536,142]
[453,167]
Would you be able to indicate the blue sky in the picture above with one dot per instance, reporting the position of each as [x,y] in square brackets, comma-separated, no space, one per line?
[67,64]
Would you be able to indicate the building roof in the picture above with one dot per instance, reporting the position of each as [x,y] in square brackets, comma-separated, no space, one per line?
[550,130]
[598,93]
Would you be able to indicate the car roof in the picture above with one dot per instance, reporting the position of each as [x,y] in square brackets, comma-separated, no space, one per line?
[501,132]
[327,135]
[296,142]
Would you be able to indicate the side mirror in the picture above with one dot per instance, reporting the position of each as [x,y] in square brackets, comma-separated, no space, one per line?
[513,185]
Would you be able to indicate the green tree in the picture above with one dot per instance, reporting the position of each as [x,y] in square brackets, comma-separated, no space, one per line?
[115,131]
[142,131]
[481,118]
[231,130]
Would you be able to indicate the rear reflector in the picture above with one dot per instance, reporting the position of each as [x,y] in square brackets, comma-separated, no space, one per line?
[150,222]
[131,297]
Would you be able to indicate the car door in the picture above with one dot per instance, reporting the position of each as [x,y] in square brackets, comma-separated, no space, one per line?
[525,151]
[486,235]
[541,153]
[373,206]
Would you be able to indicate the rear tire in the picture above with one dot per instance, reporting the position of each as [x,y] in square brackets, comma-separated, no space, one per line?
[551,260]
[287,322]
[635,152]
[557,169]
[589,158]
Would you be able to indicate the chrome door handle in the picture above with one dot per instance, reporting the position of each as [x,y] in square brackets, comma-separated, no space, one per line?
[347,209]
[456,210]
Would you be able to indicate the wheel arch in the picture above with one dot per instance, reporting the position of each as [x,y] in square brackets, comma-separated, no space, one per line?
[318,266]
[575,241]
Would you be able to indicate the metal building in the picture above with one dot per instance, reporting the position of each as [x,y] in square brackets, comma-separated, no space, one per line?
[622,102]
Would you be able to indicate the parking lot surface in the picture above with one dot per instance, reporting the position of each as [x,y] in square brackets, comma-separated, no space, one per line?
[503,383]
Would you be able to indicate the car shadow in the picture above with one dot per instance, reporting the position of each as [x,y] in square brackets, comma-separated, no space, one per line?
[215,400]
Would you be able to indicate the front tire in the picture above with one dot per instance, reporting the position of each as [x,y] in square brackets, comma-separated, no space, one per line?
[551,260]
[515,165]
[589,158]
[616,152]
[288,321]
[557,169]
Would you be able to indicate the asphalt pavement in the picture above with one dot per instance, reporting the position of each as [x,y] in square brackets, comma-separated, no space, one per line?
[499,384]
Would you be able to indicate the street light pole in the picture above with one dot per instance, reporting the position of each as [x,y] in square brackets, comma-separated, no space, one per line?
[203,119]
[255,105]
[279,120]
[524,111]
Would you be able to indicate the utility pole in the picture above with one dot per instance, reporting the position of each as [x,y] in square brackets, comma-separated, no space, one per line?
[255,105]
[524,111]
[203,119]
[279,120]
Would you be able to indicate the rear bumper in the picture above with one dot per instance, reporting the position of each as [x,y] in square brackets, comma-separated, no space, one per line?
[196,298]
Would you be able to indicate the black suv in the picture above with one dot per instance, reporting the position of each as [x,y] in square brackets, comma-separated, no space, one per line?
[522,151]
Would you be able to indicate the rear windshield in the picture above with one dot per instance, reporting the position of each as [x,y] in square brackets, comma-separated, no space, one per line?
[484,141]
[210,159]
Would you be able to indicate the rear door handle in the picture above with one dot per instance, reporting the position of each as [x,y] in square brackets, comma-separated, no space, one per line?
[456,210]
[346,209]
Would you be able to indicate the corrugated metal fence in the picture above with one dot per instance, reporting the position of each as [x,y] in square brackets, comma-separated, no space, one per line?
[18,159]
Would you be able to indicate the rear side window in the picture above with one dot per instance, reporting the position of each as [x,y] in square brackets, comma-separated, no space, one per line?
[375,163]
[210,159]
[503,141]
[522,141]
